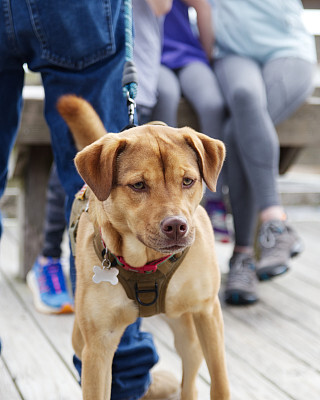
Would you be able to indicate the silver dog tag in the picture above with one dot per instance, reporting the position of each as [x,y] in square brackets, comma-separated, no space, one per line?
[105,275]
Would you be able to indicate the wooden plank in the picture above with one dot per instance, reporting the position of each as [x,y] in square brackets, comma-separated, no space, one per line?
[39,372]
[56,328]
[8,391]
[245,382]
[304,292]
[295,339]
[293,377]
[302,128]
[313,4]
[291,308]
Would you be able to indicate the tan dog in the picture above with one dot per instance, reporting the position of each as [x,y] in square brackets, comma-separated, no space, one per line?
[146,185]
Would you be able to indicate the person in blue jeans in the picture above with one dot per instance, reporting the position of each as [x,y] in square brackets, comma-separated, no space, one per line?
[78,47]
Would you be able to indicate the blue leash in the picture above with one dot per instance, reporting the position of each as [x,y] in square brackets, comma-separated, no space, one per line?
[129,76]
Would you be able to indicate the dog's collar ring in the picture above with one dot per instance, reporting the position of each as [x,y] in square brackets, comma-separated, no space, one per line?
[106,263]
[146,291]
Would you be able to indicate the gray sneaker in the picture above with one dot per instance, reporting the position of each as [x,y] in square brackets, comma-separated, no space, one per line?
[277,243]
[241,286]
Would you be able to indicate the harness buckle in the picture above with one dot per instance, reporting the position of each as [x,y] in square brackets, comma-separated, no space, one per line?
[155,291]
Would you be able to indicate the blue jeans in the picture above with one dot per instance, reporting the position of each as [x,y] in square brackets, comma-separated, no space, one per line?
[78,47]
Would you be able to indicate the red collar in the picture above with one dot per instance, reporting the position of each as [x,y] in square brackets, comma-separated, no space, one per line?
[146,269]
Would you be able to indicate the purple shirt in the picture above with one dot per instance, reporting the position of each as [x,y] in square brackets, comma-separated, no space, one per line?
[180,45]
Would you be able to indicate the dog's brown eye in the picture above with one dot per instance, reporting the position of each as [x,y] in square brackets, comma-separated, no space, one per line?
[138,186]
[187,181]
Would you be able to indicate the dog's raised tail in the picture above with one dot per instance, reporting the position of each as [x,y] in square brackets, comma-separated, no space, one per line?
[83,121]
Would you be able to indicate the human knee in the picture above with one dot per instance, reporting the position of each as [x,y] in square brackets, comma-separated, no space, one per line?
[245,96]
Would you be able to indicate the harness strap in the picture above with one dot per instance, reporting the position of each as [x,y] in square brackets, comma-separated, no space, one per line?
[148,290]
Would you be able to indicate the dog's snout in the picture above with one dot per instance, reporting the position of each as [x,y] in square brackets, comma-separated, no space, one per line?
[174,227]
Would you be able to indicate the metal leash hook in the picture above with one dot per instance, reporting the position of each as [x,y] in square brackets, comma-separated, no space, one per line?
[131,104]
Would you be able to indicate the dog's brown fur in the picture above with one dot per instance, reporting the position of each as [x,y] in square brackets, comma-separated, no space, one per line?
[171,164]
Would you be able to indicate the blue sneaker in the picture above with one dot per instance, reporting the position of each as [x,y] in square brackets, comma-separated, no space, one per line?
[48,286]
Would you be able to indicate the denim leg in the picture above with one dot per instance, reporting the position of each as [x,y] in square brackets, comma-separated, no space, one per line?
[11,83]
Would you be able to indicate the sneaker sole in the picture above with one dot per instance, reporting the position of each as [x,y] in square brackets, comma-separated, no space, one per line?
[38,303]
[240,299]
[267,273]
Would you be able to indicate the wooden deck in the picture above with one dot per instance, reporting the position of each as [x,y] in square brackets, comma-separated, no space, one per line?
[273,348]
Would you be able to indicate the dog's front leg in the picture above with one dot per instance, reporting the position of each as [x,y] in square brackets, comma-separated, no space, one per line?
[211,336]
[189,349]
[97,357]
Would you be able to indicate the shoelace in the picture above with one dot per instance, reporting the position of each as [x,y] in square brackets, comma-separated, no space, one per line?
[240,271]
[268,233]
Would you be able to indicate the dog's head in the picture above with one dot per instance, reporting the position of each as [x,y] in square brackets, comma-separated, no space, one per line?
[148,179]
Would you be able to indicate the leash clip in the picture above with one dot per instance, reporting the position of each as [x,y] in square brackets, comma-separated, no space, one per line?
[131,104]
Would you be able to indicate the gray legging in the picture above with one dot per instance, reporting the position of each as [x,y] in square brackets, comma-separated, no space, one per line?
[198,84]
[258,97]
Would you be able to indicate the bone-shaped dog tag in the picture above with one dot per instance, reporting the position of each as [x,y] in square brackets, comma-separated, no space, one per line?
[105,275]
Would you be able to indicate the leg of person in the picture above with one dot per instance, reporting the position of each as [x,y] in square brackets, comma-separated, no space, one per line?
[97,31]
[200,87]
[55,222]
[46,278]
[252,175]
[285,93]
[257,144]
[241,286]
[169,94]
[11,83]
[144,114]
[254,132]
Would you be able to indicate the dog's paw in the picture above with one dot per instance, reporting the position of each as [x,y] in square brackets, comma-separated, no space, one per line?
[105,275]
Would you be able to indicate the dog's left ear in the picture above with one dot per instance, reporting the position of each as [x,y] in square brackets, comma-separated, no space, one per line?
[211,154]
[96,164]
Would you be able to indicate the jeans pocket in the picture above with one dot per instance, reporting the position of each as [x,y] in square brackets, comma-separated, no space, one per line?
[75,33]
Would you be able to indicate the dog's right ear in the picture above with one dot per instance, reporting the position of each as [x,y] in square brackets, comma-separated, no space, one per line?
[96,164]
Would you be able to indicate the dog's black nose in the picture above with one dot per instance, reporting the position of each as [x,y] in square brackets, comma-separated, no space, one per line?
[174,227]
